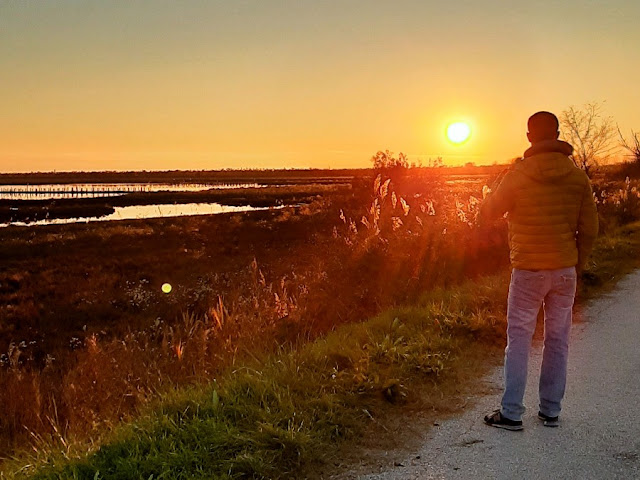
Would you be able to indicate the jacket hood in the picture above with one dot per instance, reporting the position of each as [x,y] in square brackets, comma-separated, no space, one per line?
[547,161]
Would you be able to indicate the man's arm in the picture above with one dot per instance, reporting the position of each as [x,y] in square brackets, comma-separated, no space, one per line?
[497,202]
[587,226]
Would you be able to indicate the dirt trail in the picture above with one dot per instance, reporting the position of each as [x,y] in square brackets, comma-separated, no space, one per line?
[599,435]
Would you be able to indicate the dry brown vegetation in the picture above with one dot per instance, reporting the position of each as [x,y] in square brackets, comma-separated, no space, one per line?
[242,283]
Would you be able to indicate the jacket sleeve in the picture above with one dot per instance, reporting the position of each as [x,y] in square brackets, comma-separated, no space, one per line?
[587,226]
[498,202]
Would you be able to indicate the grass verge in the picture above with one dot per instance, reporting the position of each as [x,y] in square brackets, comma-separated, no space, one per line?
[614,256]
[276,415]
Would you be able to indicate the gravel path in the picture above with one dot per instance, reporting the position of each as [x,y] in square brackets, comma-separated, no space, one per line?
[599,434]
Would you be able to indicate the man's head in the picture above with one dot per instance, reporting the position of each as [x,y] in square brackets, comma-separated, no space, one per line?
[542,126]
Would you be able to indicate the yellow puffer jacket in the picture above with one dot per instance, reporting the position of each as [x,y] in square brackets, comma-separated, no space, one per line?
[550,209]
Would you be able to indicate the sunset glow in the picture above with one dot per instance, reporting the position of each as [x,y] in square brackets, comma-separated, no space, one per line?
[202,85]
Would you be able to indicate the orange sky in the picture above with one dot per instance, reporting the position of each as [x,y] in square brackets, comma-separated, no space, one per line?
[160,84]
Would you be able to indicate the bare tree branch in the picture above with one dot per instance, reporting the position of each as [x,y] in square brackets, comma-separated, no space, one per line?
[632,146]
[590,133]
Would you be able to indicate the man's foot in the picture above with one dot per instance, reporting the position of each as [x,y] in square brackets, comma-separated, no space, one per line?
[495,419]
[548,421]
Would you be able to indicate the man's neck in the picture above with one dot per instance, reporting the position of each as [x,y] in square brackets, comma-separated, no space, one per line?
[548,145]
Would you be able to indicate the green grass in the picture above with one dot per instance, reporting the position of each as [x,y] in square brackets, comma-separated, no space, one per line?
[614,256]
[270,418]
[275,416]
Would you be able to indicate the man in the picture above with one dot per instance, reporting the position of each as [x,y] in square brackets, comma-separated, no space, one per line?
[552,222]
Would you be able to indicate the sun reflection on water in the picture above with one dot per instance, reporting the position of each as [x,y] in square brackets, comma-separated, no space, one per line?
[135,212]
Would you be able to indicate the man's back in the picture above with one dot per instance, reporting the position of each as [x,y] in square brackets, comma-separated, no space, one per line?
[551,212]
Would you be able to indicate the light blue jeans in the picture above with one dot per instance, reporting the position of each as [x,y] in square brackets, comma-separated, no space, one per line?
[555,291]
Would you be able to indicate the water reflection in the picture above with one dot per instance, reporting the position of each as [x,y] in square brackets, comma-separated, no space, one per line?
[147,211]
[95,190]
[463,180]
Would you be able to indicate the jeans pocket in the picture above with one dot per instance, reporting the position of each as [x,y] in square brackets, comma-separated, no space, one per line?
[527,277]
[566,284]
[527,288]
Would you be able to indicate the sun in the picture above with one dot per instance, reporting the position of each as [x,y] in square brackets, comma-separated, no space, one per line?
[458,132]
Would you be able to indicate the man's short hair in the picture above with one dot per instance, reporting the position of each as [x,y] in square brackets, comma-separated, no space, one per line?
[543,125]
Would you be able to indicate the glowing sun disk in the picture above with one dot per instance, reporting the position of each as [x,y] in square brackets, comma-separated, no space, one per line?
[458,132]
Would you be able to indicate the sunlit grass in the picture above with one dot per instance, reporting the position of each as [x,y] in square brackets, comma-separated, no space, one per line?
[272,416]
[278,413]
[296,370]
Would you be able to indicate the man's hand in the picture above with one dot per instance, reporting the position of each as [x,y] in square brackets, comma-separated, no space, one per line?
[499,178]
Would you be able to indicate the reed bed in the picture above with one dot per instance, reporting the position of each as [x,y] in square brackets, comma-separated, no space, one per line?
[407,237]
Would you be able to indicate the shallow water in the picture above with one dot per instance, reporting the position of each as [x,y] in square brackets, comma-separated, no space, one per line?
[135,212]
[99,190]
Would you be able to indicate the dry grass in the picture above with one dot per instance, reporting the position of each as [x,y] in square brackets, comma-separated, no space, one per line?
[270,416]
[398,249]
[403,243]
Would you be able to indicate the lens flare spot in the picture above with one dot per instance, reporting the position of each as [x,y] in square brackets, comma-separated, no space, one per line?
[166,287]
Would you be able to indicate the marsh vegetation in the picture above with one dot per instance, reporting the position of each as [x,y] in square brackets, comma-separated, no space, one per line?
[90,339]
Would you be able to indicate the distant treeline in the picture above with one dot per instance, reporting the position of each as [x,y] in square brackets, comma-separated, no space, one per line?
[181,176]
[224,176]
